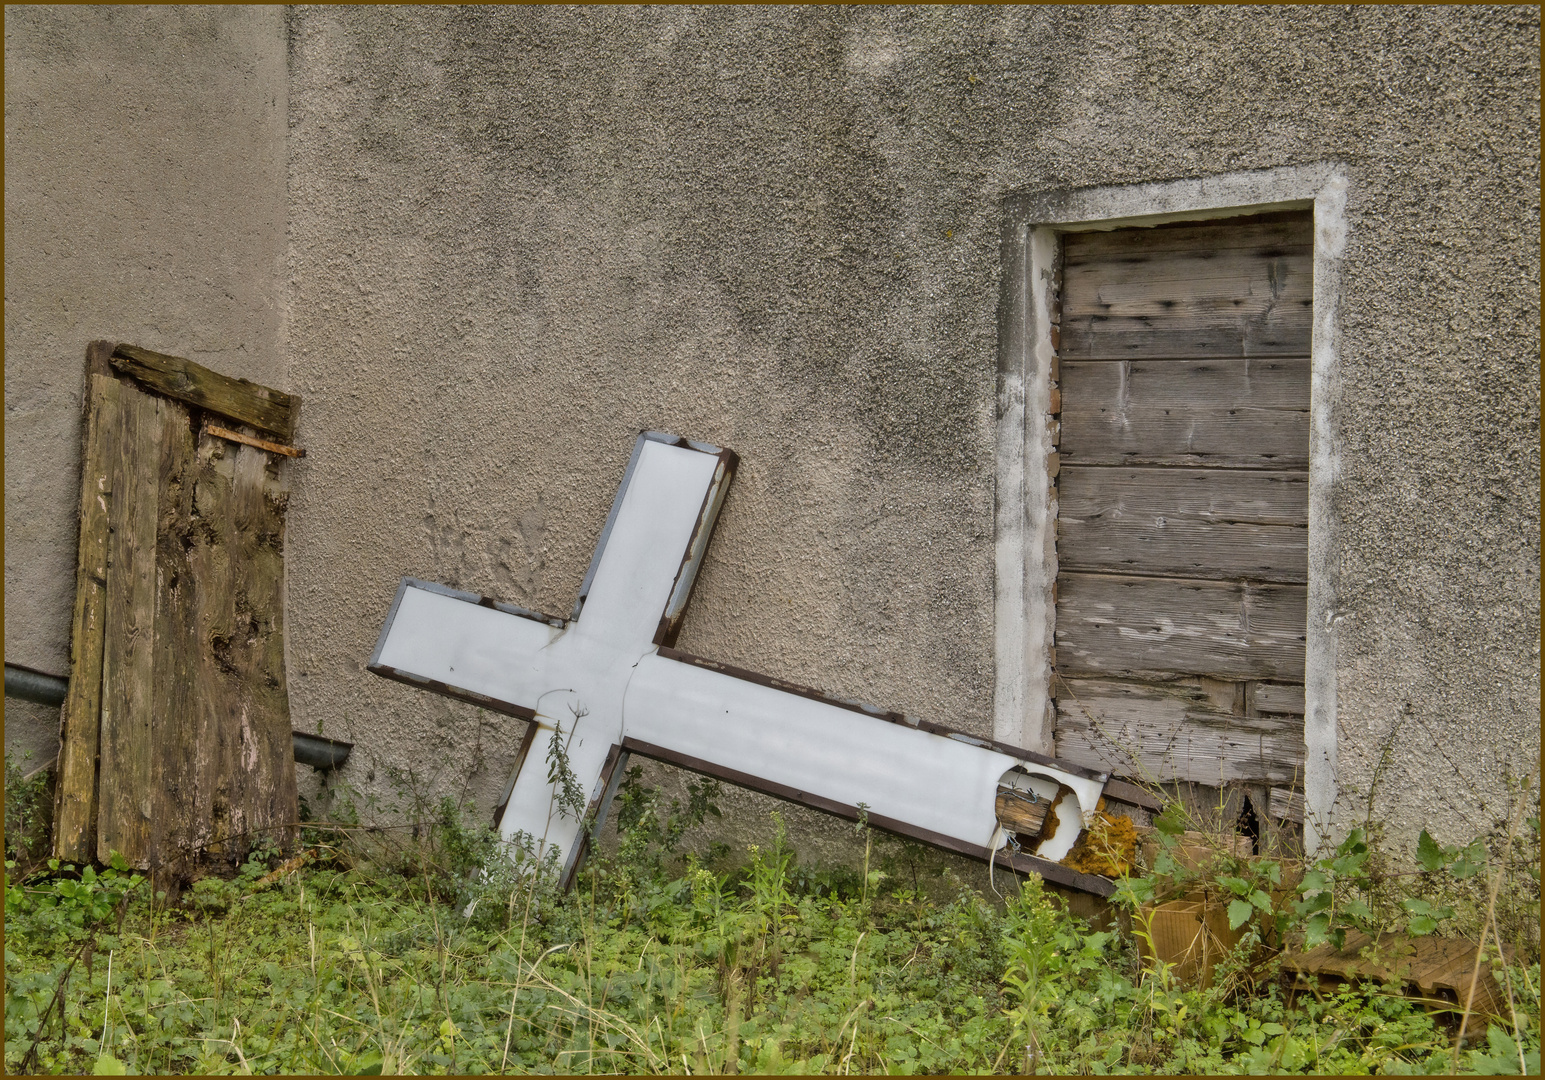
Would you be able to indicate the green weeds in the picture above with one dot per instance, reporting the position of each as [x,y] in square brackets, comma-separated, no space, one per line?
[27,813]
[383,953]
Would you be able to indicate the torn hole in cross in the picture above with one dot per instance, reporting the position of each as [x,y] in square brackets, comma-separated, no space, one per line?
[1037,814]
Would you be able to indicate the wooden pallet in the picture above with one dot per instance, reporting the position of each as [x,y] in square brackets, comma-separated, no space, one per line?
[1438,970]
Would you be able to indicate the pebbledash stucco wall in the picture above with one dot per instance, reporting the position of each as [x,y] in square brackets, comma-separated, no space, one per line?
[517,236]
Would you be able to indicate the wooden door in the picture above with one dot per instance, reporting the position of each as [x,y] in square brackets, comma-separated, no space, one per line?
[1182,501]
[175,737]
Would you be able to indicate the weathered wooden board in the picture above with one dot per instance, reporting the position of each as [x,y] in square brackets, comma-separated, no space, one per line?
[227,777]
[1110,624]
[1161,733]
[1213,496]
[1277,698]
[180,739]
[176,735]
[79,729]
[1200,523]
[1273,384]
[1018,814]
[1182,501]
[1286,804]
[1234,413]
[246,402]
[1237,287]
[1439,969]
[215,625]
[124,796]
[249,668]
[1246,232]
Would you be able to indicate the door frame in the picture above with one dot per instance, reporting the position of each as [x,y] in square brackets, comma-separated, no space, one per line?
[1025,546]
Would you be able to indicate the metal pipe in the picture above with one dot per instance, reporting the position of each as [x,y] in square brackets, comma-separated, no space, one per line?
[318,752]
[45,689]
[31,685]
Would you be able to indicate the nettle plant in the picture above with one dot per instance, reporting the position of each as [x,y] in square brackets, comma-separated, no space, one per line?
[1342,892]
[1251,885]
[1337,894]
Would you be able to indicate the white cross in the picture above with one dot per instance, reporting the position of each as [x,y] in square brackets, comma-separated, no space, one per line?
[608,685]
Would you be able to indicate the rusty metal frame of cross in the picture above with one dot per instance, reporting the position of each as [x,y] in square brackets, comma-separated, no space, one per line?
[606,683]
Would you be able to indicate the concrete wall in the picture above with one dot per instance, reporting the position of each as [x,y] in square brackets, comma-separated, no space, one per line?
[519,235]
[144,202]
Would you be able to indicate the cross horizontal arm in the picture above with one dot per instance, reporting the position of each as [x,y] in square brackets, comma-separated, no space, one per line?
[466,646]
[1016,860]
[939,785]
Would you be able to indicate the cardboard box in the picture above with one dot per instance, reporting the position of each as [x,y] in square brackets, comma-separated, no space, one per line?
[1195,851]
[1192,934]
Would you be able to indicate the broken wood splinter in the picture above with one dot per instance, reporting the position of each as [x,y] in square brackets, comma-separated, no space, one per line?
[1020,813]
[250,440]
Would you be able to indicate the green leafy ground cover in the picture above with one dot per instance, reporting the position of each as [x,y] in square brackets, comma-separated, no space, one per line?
[387,953]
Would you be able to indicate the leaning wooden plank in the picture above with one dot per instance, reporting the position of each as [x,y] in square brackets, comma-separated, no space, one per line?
[75,809]
[258,685]
[178,737]
[243,773]
[249,440]
[1201,523]
[246,402]
[1160,733]
[1232,413]
[1228,288]
[213,629]
[1110,624]
[128,654]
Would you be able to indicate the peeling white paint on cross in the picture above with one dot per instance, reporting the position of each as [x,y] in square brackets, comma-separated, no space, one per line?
[607,684]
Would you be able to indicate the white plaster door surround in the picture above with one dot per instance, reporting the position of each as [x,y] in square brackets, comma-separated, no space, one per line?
[1026,562]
